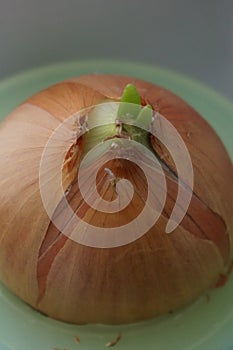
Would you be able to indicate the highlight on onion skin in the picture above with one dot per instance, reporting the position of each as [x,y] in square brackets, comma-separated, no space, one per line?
[151,276]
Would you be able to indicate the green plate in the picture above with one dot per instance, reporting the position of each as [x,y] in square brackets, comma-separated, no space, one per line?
[206,324]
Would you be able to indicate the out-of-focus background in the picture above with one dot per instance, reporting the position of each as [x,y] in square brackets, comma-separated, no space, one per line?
[194,37]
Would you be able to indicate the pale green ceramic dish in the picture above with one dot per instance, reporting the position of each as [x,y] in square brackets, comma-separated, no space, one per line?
[200,326]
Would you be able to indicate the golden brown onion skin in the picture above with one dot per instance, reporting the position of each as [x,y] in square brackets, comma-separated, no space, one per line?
[151,276]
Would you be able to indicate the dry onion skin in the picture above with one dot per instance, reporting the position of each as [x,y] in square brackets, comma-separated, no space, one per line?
[154,274]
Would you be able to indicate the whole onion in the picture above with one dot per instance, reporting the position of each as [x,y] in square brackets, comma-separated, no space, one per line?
[150,275]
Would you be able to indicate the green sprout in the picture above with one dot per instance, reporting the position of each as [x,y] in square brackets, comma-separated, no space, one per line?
[130,106]
[145,116]
[131,102]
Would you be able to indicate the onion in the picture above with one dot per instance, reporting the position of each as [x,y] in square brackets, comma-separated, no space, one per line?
[153,272]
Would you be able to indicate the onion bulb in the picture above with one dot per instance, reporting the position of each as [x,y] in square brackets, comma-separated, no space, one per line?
[92,264]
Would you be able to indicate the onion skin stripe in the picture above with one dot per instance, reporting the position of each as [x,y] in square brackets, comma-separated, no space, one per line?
[45,263]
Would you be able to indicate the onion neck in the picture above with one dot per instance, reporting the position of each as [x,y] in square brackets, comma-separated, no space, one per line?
[115,132]
[125,120]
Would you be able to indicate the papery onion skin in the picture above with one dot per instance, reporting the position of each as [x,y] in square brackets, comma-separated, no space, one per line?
[151,276]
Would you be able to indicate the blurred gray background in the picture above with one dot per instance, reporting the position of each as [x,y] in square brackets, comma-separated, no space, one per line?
[194,37]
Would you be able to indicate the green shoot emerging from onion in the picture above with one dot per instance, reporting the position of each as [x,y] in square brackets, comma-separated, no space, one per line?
[125,120]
